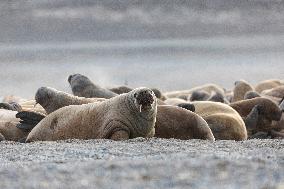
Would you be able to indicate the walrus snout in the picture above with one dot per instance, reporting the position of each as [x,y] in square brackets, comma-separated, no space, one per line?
[42,95]
[145,97]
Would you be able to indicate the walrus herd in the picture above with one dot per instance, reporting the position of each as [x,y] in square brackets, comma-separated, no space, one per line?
[207,112]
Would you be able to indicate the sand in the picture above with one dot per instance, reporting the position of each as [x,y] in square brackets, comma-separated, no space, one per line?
[143,163]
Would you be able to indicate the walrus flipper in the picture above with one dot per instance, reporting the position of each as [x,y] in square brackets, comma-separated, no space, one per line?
[252,118]
[29,119]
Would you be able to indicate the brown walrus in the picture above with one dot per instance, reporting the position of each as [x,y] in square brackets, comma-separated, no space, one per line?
[258,113]
[241,88]
[268,84]
[207,87]
[277,92]
[179,123]
[191,123]
[84,87]
[224,121]
[126,116]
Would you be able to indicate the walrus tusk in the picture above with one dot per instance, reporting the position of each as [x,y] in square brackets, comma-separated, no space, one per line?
[35,104]
[140,107]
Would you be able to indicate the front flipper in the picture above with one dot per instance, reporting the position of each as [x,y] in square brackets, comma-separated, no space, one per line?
[252,118]
[29,120]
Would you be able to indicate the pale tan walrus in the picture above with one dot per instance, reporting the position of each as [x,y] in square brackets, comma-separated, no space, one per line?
[126,116]
[224,121]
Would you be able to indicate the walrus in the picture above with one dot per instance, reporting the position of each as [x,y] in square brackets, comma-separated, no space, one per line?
[224,121]
[192,123]
[51,99]
[122,117]
[207,87]
[277,92]
[179,123]
[82,86]
[241,88]
[268,84]
[258,113]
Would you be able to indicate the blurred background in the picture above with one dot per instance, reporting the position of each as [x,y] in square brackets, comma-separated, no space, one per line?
[168,44]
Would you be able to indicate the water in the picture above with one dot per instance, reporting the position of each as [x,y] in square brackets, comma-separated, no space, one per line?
[165,64]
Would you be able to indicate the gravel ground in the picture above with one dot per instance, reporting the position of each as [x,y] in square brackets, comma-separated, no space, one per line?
[143,163]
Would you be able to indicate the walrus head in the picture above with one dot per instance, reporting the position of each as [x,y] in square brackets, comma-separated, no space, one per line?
[144,99]
[78,83]
[44,95]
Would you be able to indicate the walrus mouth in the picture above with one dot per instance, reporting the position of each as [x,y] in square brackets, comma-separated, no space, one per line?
[144,100]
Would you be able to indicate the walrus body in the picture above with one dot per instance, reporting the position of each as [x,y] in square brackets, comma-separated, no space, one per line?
[277,92]
[84,87]
[224,121]
[268,84]
[208,88]
[262,110]
[8,129]
[125,116]
[175,122]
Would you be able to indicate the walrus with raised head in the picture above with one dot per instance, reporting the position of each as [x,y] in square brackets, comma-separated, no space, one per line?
[183,124]
[258,113]
[241,88]
[51,99]
[84,87]
[126,116]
